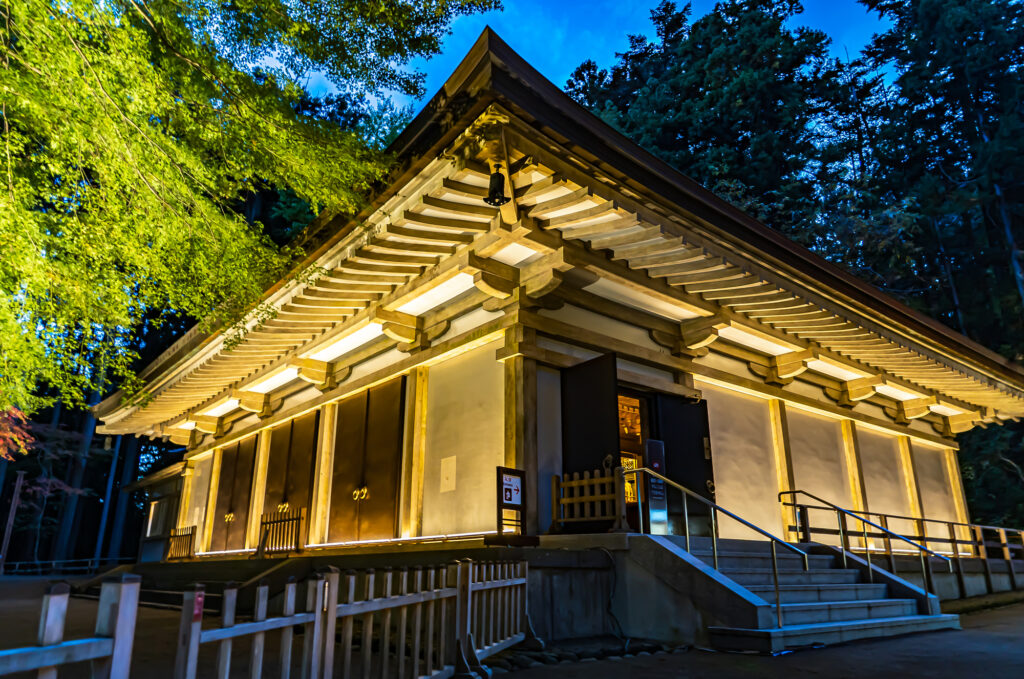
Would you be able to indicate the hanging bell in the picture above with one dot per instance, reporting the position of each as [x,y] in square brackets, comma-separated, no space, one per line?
[496,190]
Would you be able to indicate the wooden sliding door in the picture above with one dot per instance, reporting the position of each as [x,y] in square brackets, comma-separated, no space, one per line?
[367,463]
[233,495]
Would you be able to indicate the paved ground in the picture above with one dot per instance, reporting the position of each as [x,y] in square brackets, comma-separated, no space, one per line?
[991,645]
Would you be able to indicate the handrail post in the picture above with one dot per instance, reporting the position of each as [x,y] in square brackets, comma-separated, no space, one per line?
[188,632]
[843,545]
[775,577]
[463,646]
[867,553]
[51,621]
[1008,557]
[954,540]
[686,521]
[884,522]
[805,523]
[979,541]
[714,535]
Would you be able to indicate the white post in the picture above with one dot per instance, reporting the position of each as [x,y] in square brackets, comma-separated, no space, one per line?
[51,621]
[258,639]
[227,619]
[312,642]
[119,600]
[188,633]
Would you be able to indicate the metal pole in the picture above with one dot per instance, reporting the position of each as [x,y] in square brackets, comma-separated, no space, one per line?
[106,504]
[15,499]
[775,576]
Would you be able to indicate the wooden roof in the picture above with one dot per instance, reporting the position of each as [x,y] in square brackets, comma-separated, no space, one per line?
[581,184]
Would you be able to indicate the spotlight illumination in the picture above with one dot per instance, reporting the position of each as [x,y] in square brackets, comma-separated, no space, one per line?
[437,295]
[276,380]
[349,342]
[496,190]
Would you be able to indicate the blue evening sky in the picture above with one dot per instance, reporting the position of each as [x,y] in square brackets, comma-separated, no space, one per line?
[555,37]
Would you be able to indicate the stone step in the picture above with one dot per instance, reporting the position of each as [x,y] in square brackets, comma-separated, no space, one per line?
[787,560]
[796,594]
[764,576]
[701,544]
[795,636]
[839,611]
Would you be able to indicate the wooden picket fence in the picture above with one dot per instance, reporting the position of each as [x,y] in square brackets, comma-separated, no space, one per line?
[182,543]
[282,531]
[588,496]
[109,649]
[435,621]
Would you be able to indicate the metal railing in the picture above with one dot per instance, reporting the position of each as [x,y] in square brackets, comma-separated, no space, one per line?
[806,530]
[61,567]
[714,510]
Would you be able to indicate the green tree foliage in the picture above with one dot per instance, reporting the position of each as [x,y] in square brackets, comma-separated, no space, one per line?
[729,99]
[133,130]
[905,165]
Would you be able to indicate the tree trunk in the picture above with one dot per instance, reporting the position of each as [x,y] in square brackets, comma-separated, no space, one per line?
[128,472]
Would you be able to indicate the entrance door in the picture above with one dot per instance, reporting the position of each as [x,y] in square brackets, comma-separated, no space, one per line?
[290,468]
[233,490]
[683,426]
[590,436]
[367,464]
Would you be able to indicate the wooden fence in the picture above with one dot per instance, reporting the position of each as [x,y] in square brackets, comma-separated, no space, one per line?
[408,623]
[282,532]
[109,649]
[182,543]
[588,496]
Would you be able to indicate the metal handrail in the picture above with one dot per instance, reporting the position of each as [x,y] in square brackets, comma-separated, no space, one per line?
[842,513]
[715,508]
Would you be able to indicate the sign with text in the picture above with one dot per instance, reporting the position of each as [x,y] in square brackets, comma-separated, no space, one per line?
[511,500]
[657,498]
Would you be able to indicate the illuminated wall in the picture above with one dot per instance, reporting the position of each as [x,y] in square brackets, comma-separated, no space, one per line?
[885,479]
[743,459]
[936,486]
[464,442]
[195,513]
[819,467]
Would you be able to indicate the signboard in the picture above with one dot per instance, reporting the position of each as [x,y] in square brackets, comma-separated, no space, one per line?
[657,493]
[511,490]
[511,500]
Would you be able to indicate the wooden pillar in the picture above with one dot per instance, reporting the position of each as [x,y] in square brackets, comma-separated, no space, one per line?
[187,476]
[521,418]
[203,541]
[323,474]
[783,463]
[910,478]
[259,488]
[413,454]
[956,487]
[854,468]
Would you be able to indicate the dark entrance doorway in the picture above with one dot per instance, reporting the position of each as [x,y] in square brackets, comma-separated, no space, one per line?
[367,463]
[605,425]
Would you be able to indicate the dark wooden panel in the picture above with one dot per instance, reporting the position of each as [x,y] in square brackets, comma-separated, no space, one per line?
[300,461]
[349,443]
[378,513]
[277,466]
[683,426]
[225,487]
[590,415]
[241,492]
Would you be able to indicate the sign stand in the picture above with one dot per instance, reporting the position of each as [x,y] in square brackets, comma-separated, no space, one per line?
[511,510]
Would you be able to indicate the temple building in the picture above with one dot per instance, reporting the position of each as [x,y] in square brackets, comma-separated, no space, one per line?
[608,302]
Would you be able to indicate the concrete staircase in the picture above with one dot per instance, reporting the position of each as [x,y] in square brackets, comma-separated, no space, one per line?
[826,604]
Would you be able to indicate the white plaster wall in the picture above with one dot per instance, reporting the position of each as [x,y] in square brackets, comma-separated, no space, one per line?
[935,486]
[465,421]
[195,515]
[549,439]
[885,483]
[819,467]
[744,461]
